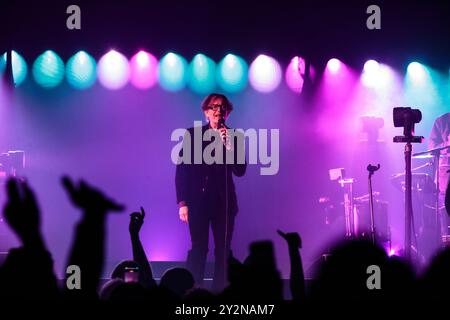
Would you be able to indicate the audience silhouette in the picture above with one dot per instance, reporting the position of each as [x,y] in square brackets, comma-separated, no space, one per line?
[343,276]
[27,271]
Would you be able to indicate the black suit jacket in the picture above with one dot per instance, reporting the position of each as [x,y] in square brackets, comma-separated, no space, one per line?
[195,182]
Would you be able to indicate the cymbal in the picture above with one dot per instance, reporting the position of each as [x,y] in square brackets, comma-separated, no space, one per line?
[431,151]
[423,156]
[427,156]
[420,182]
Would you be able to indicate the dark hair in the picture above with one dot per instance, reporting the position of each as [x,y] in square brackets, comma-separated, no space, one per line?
[177,280]
[212,96]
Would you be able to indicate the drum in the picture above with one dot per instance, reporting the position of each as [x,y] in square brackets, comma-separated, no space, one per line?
[362,219]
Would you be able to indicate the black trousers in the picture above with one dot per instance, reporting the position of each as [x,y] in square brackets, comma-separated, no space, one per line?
[211,212]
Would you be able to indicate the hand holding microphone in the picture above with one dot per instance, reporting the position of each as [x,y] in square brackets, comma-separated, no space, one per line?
[184,214]
[224,133]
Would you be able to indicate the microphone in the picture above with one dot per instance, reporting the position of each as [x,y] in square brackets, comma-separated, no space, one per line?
[225,139]
[221,124]
[372,168]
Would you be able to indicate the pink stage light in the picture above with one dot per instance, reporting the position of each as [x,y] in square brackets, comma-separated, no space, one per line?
[334,65]
[113,70]
[295,73]
[144,70]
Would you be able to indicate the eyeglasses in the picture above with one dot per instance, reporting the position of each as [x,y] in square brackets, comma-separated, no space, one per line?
[216,107]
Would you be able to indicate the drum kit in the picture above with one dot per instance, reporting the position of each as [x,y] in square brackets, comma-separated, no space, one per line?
[360,220]
[426,191]
[437,161]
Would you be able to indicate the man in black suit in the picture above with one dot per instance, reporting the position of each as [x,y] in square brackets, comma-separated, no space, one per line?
[205,189]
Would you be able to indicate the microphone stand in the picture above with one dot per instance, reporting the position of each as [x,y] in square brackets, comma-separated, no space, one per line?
[372,170]
[225,254]
[408,138]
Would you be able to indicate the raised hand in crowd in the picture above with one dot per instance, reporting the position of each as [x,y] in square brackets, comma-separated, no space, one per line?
[88,198]
[297,278]
[292,238]
[22,214]
[88,246]
[136,222]
[145,273]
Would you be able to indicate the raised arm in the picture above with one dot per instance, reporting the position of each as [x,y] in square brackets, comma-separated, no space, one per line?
[297,278]
[145,274]
[88,247]
[22,214]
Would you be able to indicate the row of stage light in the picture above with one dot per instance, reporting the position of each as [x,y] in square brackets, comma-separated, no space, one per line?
[173,72]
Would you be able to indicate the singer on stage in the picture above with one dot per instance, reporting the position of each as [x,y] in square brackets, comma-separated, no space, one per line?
[206,194]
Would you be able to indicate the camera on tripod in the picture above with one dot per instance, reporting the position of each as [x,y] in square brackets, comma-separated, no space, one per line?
[407,118]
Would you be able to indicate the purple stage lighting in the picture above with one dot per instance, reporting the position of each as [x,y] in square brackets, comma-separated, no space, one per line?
[113,70]
[334,65]
[295,73]
[144,70]
[265,73]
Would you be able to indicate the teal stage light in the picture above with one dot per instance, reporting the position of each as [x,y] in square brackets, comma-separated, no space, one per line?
[19,67]
[81,70]
[172,73]
[48,69]
[202,74]
[232,73]
[2,63]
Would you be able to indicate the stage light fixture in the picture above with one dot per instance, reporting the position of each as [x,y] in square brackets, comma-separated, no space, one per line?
[172,73]
[19,67]
[417,71]
[371,66]
[295,73]
[81,70]
[232,73]
[265,74]
[113,70]
[48,69]
[2,63]
[372,75]
[144,70]
[202,72]
[334,65]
